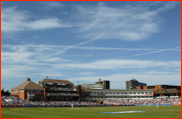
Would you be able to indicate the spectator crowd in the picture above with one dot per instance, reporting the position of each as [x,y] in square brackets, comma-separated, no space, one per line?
[142,102]
[17,101]
[7,101]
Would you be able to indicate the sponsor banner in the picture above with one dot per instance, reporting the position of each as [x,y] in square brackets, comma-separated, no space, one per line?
[126,105]
[113,105]
[164,104]
[173,96]
[153,104]
[162,97]
[30,106]
[12,106]
[176,104]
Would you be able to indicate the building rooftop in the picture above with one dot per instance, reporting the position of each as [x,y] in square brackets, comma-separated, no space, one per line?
[56,81]
[165,91]
[29,85]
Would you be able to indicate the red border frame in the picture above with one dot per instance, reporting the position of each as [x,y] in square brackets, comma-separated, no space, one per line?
[86,0]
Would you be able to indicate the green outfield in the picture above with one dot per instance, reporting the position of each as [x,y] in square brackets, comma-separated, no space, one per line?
[92,112]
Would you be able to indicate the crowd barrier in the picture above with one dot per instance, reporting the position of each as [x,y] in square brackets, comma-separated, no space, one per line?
[176,104]
[12,106]
[152,104]
[27,106]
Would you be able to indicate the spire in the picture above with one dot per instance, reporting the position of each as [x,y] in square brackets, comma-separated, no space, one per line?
[28,79]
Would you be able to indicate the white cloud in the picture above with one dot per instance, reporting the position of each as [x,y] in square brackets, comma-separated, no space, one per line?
[85,73]
[13,20]
[52,47]
[117,81]
[118,64]
[52,4]
[130,23]
[158,72]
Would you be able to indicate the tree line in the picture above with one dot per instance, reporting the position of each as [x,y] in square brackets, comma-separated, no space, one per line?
[7,93]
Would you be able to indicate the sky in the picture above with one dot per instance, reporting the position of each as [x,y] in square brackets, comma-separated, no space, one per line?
[83,41]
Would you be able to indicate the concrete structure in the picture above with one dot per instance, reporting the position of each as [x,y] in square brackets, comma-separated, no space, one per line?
[105,84]
[133,83]
[121,94]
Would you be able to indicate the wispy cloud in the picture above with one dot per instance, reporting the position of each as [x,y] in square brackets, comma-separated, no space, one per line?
[52,4]
[13,20]
[129,23]
[118,64]
[158,51]
[118,80]
[42,47]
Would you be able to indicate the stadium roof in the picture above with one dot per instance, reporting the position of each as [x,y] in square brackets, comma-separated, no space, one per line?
[29,85]
[84,89]
[165,91]
[56,81]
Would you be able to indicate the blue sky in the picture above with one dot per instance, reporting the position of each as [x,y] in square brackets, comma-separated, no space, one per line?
[85,41]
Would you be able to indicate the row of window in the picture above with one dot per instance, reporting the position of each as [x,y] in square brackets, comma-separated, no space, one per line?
[122,93]
[121,97]
[32,91]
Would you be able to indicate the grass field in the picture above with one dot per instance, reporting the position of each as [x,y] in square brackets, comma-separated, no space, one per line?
[92,112]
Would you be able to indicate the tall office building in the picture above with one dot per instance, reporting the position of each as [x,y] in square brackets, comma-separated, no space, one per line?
[133,83]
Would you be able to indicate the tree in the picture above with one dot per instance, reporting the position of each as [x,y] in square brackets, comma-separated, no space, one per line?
[2,91]
[7,92]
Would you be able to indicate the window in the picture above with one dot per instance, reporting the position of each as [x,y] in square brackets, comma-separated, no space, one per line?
[101,93]
[125,93]
[118,97]
[117,92]
[142,92]
[150,92]
[114,97]
[134,92]
[138,92]
[97,92]
[94,92]
[146,92]
[121,92]
[106,92]
[110,92]
[130,92]
[114,92]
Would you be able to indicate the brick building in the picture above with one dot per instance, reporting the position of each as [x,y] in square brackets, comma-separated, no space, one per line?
[28,90]
[159,88]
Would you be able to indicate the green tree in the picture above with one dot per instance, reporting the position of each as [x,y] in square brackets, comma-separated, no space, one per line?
[7,92]
[2,91]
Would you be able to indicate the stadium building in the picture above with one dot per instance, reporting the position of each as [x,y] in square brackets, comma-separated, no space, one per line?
[120,94]
[64,90]
[28,90]
[133,83]
[105,84]
[50,90]
[101,90]
[163,90]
